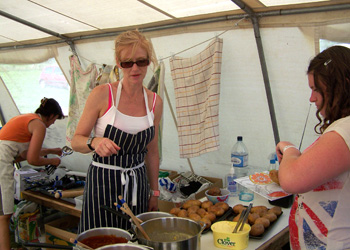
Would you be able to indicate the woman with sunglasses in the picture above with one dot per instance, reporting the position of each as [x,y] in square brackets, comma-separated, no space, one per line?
[320,175]
[124,117]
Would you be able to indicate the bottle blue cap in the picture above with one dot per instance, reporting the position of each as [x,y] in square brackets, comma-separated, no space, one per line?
[272,161]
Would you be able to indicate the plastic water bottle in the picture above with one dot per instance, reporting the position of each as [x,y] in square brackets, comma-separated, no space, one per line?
[272,165]
[239,154]
[239,159]
[231,183]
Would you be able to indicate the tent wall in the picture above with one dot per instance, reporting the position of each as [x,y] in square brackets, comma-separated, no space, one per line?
[243,104]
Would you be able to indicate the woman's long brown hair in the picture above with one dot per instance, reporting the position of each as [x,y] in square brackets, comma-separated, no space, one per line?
[331,71]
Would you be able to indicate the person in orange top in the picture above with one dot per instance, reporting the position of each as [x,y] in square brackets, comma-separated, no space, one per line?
[21,138]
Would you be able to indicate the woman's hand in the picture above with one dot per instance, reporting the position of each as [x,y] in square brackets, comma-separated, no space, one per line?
[104,146]
[280,147]
[153,203]
[56,151]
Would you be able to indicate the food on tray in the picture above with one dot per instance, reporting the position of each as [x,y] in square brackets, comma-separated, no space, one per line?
[252,218]
[223,205]
[261,210]
[274,176]
[214,191]
[238,208]
[207,204]
[193,209]
[260,218]
[270,216]
[175,210]
[276,210]
[206,221]
[194,216]
[257,229]
[183,213]
[191,203]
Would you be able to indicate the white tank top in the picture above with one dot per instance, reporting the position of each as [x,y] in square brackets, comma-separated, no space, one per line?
[129,124]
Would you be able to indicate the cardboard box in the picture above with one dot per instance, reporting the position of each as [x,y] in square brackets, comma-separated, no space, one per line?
[59,231]
[165,206]
[20,176]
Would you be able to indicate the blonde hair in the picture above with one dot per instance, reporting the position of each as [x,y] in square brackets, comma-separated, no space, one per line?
[135,39]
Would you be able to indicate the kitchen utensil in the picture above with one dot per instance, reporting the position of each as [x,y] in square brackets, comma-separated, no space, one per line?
[242,219]
[131,214]
[65,151]
[113,211]
[79,243]
[171,233]
[69,193]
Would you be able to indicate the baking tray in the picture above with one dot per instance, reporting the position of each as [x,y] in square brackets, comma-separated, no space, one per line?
[233,214]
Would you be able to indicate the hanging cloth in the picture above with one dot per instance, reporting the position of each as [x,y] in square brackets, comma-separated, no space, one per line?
[82,82]
[197,92]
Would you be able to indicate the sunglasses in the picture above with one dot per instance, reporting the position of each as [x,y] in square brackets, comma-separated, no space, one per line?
[140,63]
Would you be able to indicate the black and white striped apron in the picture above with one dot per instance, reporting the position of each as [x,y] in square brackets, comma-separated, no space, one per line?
[120,174]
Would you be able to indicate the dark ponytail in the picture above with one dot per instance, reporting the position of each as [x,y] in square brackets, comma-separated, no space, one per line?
[48,107]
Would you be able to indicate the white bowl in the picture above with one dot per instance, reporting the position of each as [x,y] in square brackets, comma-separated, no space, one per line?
[215,199]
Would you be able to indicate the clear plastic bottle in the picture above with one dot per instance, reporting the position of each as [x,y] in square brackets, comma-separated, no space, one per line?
[231,183]
[272,165]
[239,153]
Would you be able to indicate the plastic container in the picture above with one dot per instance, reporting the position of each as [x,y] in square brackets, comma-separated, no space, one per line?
[231,183]
[239,153]
[272,165]
[224,238]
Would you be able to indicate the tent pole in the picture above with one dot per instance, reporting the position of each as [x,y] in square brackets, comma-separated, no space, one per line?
[258,40]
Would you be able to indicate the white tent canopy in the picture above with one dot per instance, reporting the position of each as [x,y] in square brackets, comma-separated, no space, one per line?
[266,49]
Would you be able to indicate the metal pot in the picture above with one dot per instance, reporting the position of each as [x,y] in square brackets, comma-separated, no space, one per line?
[171,233]
[104,231]
[154,214]
[123,247]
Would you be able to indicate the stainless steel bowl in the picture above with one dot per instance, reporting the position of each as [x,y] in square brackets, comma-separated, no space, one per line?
[151,215]
[171,233]
[124,247]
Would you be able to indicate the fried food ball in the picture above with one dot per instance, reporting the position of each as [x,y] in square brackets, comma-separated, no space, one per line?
[211,216]
[195,217]
[191,203]
[218,211]
[214,191]
[206,204]
[270,216]
[257,229]
[183,213]
[274,176]
[276,210]
[263,221]
[252,217]
[261,210]
[206,221]
[237,209]
[236,218]
[193,209]
[223,205]
[175,210]
[201,212]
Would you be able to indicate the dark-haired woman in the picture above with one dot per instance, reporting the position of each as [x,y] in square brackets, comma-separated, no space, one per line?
[320,175]
[21,138]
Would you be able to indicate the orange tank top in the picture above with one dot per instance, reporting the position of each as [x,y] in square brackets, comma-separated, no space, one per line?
[16,129]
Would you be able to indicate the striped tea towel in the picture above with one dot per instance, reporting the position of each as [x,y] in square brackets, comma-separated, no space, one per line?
[197,92]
